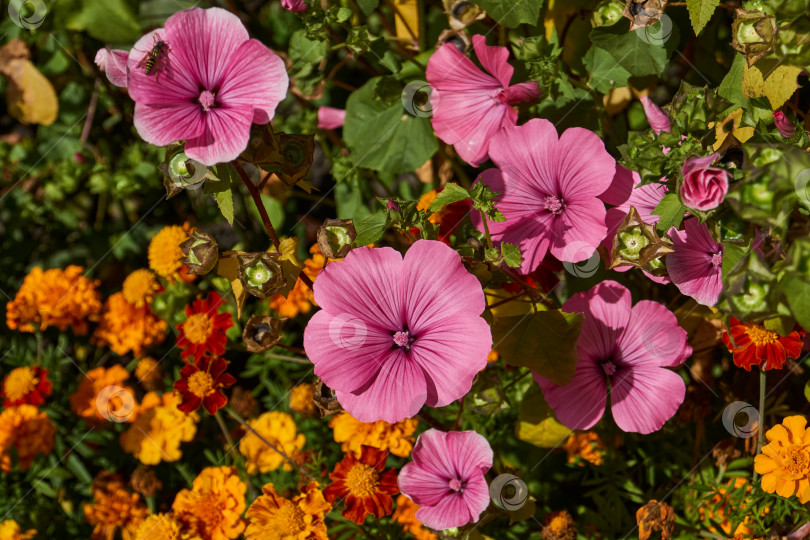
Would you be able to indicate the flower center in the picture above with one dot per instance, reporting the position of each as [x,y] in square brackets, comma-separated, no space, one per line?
[632,242]
[362,480]
[290,520]
[20,383]
[797,461]
[206,99]
[554,204]
[717,259]
[198,328]
[499,96]
[456,485]
[760,336]
[200,384]
[402,338]
[609,368]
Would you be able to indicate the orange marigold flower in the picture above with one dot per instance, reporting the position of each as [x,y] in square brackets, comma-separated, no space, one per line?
[214,505]
[11,530]
[163,527]
[26,385]
[203,331]
[582,447]
[56,297]
[363,485]
[448,217]
[559,525]
[301,399]
[396,438]
[405,513]
[26,430]
[785,461]
[158,428]
[272,517]
[101,395]
[201,383]
[148,373]
[140,287]
[125,328]
[114,508]
[754,345]
[492,356]
[722,501]
[165,253]
[278,429]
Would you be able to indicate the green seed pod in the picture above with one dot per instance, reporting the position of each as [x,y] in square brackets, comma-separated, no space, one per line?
[335,237]
[260,273]
[200,253]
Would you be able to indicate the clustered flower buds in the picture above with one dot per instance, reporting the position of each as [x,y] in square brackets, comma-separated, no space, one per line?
[200,252]
[260,273]
[335,237]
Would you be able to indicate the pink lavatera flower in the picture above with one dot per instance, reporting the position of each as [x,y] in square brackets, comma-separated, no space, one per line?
[704,187]
[211,85]
[696,266]
[446,478]
[470,106]
[628,348]
[395,334]
[113,62]
[658,119]
[550,191]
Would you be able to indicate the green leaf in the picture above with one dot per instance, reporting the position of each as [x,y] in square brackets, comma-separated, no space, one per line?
[513,13]
[111,21]
[605,72]
[671,211]
[77,468]
[731,86]
[807,391]
[544,342]
[221,190]
[537,424]
[637,56]
[732,254]
[700,11]
[370,229]
[450,194]
[305,50]
[368,6]
[384,136]
[511,254]
[797,292]
[344,14]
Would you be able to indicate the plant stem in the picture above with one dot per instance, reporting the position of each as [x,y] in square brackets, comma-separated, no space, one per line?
[257,200]
[760,431]
[231,447]
[486,229]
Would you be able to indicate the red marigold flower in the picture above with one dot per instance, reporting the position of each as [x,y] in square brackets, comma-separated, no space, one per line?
[26,386]
[203,331]
[202,382]
[362,485]
[754,345]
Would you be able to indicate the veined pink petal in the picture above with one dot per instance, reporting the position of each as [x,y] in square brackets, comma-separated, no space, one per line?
[644,398]
[518,93]
[657,118]
[607,309]
[449,71]
[450,511]
[585,167]
[161,125]
[579,230]
[696,265]
[423,486]
[697,163]
[226,135]
[620,188]
[528,155]
[581,403]
[783,124]
[493,59]
[113,63]
[330,118]
[169,83]
[256,77]
[296,6]
[652,338]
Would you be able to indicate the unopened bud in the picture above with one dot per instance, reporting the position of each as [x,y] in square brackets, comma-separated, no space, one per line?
[260,273]
[200,252]
[784,125]
[262,333]
[753,34]
[335,237]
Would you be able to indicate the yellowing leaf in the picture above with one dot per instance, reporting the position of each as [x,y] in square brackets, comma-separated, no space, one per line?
[407,20]
[520,306]
[290,263]
[537,424]
[777,84]
[228,267]
[30,96]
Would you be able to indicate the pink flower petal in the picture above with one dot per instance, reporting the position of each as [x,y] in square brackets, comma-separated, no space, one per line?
[449,71]
[169,83]
[528,154]
[657,118]
[653,337]
[579,230]
[607,309]
[472,453]
[423,486]
[644,398]
[330,118]
[696,265]
[584,166]
[494,59]
[518,93]
[226,135]
[581,403]
[161,125]
[113,63]
[451,511]
[620,188]
[256,77]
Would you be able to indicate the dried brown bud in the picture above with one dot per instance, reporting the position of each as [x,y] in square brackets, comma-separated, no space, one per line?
[243,403]
[260,273]
[262,333]
[335,237]
[644,12]
[325,399]
[145,481]
[200,252]
[753,34]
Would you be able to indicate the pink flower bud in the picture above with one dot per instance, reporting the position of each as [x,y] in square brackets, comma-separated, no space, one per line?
[330,118]
[704,187]
[784,125]
[392,205]
[296,6]
[657,118]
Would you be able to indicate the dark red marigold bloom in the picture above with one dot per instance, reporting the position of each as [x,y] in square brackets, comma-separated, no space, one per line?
[201,383]
[203,331]
[363,486]
[26,386]
[754,345]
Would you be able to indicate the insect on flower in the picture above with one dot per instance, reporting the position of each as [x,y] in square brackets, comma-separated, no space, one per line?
[157,57]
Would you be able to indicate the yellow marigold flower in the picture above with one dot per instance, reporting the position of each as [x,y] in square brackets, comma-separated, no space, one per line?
[158,429]
[140,287]
[278,429]
[56,297]
[126,328]
[300,299]
[785,461]
[396,438]
[272,517]
[558,525]
[301,399]
[163,527]
[582,447]
[214,505]
[10,530]
[114,508]
[405,513]
[29,431]
[85,401]
[165,253]
[148,373]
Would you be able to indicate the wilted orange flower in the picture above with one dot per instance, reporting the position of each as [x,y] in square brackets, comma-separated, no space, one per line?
[86,400]
[203,331]
[26,430]
[26,385]
[11,530]
[56,297]
[125,328]
[140,287]
[301,399]
[144,480]
[272,517]
[396,438]
[582,447]
[300,299]
[278,429]
[214,505]
[655,516]
[158,428]
[405,513]
[558,525]
[785,461]
[165,253]
[114,508]
[718,507]
[163,527]
[754,345]
[148,373]
[363,486]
